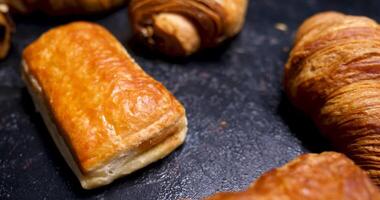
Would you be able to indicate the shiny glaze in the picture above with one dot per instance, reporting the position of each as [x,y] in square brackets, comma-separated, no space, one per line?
[100,98]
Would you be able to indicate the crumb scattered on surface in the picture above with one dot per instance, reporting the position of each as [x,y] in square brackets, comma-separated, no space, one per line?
[273,41]
[281,27]
[223,124]
[285,49]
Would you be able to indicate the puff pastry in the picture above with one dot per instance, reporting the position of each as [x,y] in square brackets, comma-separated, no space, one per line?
[323,176]
[63,7]
[333,76]
[105,114]
[180,28]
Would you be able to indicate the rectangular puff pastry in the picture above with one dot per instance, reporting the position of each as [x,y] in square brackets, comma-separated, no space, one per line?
[105,114]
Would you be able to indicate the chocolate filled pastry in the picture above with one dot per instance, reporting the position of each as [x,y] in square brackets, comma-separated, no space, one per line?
[106,115]
[180,28]
[63,7]
[6,29]
[323,176]
[333,76]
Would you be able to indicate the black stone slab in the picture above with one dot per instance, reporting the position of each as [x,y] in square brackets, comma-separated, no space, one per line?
[240,123]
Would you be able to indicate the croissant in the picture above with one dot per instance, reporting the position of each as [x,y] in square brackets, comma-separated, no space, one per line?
[333,76]
[62,7]
[180,28]
[322,176]
[6,28]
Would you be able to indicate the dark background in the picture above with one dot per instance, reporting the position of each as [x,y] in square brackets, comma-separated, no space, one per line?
[240,122]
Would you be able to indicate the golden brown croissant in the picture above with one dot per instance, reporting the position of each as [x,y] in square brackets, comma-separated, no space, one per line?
[6,28]
[323,176]
[61,7]
[333,76]
[180,28]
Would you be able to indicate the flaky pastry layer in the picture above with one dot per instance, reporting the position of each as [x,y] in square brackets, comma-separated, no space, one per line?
[180,28]
[325,176]
[156,139]
[332,75]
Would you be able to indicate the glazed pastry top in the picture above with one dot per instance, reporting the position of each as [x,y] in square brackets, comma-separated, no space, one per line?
[102,101]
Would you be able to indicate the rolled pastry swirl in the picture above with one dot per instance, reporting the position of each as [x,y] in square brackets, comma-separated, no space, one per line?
[180,28]
[323,176]
[333,76]
[63,7]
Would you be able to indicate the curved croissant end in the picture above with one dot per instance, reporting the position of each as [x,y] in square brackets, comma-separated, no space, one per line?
[180,28]
[63,7]
[322,176]
[335,67]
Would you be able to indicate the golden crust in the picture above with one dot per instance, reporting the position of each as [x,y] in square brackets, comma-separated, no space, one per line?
[103,104]
[210,21]
[313,177]
[334,66]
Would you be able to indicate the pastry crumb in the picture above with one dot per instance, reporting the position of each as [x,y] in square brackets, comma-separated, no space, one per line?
[4,8]
[281,27]
[223,124]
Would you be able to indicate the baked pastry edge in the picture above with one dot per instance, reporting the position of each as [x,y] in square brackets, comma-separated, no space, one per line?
[101,176]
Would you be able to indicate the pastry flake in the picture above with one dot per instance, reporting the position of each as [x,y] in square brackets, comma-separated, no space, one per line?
[107,116]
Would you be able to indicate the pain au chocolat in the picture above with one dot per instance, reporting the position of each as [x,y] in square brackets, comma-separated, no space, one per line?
[105,114]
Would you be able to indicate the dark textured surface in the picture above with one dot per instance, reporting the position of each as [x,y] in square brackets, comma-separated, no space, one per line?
[240,123]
